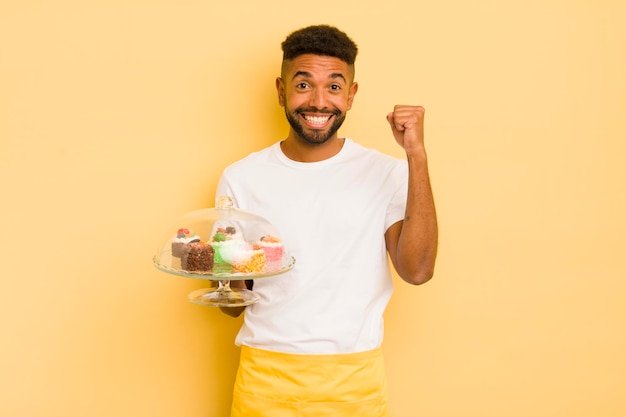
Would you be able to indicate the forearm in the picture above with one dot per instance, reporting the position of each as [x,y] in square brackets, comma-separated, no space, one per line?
[417,242]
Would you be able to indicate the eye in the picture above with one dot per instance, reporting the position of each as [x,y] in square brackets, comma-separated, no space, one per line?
[302,86]
[335,87]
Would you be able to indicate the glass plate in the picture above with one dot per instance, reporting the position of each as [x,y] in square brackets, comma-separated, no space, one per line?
[223,272]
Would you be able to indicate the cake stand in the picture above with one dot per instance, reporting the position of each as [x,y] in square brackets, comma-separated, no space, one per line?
[223,295]
[220,238]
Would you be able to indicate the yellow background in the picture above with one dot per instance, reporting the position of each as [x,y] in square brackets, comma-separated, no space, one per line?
[118,116]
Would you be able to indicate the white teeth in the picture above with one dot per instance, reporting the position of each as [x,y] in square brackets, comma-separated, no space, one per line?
[318,120]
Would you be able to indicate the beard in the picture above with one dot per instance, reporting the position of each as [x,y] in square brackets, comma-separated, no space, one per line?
[315,137]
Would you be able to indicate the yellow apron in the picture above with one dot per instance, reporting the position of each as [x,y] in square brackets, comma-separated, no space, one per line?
[274,384]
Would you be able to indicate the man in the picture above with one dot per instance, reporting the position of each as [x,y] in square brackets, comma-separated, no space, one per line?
[311,345]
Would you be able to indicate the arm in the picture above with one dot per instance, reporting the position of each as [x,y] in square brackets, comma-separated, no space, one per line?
[412,243]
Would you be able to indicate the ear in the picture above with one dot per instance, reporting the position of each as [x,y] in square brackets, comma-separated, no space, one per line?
[351,93]
[280,89]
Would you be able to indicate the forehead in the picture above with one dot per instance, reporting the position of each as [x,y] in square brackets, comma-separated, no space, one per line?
[317,66]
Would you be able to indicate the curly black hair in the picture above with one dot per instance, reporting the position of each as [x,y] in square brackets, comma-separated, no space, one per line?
[320,40]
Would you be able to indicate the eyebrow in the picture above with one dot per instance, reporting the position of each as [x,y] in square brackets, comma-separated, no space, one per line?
[308,74]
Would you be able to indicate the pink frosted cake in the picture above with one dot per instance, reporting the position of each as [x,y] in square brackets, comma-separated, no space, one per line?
[274,250]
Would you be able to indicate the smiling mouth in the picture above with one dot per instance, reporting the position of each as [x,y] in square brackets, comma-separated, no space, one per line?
[317,121]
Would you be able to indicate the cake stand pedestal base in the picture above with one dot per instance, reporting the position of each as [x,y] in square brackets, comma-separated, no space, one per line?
[223,296]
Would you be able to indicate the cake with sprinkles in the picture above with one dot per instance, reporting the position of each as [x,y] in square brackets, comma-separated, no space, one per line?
[247,259]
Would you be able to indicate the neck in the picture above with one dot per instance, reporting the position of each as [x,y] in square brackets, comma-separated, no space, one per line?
[300,151]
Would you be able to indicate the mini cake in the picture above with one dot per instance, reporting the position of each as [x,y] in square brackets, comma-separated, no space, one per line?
[274,250]
[197,256]
[224,238]
[183,237]
[248,260]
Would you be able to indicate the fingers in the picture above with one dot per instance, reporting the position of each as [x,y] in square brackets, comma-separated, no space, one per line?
[392,122]
[405,117]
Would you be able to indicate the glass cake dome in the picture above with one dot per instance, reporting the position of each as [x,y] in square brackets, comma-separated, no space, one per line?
[222,244]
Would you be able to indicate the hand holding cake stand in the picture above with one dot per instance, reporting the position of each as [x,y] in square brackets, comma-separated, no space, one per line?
[223,244]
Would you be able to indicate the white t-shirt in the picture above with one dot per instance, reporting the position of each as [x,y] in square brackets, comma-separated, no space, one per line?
[332,216]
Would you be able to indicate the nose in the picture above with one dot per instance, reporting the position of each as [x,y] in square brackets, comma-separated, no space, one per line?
[317,99]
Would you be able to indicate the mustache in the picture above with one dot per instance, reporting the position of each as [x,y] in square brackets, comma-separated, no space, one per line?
[316,110]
